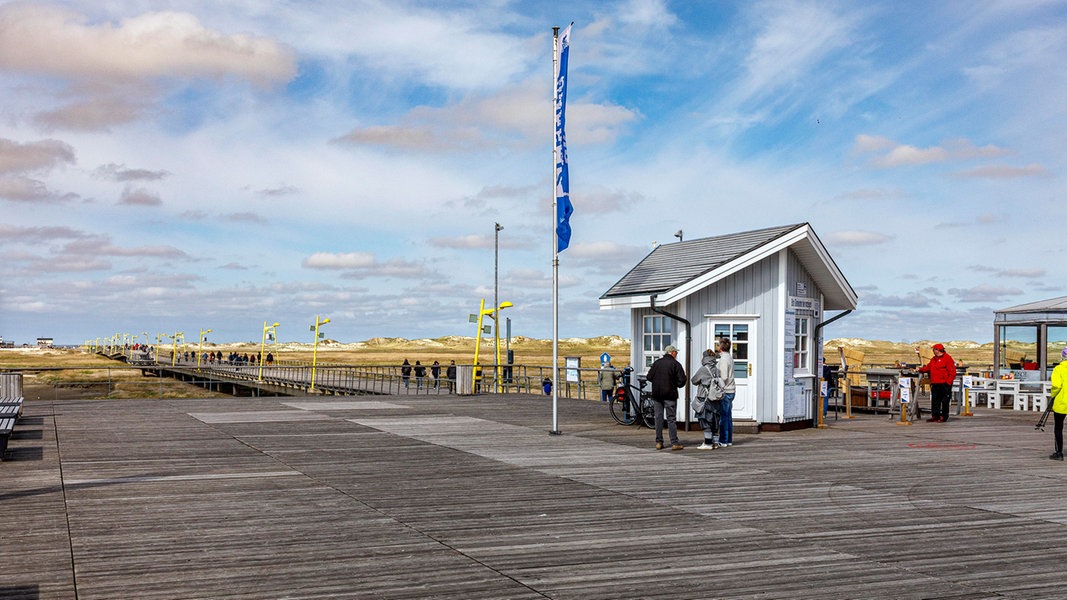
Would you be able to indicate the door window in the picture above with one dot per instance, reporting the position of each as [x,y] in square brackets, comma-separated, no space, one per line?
[737,333]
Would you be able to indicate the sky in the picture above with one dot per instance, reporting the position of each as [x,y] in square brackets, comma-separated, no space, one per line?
[182,166]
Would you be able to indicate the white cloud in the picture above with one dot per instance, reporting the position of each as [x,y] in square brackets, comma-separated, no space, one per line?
[350,260]
[857,238]
[512,117]
[116,172]
[139,197]
[898,155]
[50,40]
[25,189]
[42,156]
[1002,172]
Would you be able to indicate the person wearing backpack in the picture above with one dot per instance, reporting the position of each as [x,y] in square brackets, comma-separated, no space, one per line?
[726,370]
[708,401]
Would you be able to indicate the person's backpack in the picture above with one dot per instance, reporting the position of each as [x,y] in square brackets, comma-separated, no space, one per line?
[717,388]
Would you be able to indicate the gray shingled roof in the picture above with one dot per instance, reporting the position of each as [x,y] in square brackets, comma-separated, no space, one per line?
[671,265]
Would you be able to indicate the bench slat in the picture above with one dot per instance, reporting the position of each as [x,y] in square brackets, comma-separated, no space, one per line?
[6,425]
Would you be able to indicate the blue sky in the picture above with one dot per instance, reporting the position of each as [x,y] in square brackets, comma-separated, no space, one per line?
[181,166]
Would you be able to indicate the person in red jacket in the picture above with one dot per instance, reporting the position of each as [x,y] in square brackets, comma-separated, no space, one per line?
[942,370]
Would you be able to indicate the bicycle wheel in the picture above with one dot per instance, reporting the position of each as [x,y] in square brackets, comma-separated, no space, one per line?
[622,409]
[648,411]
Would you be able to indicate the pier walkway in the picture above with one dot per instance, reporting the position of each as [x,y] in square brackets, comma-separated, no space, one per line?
[470,497]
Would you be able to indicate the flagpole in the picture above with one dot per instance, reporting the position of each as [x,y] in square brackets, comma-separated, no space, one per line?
[555,248]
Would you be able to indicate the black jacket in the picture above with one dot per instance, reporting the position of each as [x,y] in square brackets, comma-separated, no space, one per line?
[666,375]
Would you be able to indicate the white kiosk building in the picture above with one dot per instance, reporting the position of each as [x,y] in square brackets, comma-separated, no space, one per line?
[766,290]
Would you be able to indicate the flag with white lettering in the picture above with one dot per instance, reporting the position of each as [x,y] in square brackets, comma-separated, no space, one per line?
[563,186]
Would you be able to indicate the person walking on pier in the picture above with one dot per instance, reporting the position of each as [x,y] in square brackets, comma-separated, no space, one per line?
[1059,403]
[667,375]
[405,372]
[942,370]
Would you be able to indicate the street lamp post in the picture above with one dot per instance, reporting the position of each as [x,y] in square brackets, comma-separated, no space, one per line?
[200,346]
[496,325]
[180,335]
[273,329]
[315,348]
[482,313]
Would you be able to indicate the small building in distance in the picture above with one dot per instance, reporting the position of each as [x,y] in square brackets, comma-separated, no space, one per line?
[44,342]
[765,290]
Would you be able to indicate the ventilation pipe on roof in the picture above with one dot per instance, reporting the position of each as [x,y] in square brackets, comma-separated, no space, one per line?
[817,392]
[688,348]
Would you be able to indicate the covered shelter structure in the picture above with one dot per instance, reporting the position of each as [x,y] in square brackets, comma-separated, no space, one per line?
[1027,339]
[765,290]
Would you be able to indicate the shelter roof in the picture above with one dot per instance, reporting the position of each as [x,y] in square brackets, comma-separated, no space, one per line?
[1050,305]
[1053,310]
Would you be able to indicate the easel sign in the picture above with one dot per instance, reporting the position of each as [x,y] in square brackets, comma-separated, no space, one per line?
[968,382]
[905,390]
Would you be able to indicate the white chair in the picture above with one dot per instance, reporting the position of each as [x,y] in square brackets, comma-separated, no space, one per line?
[982,390]
[1007,392]
[1038,395]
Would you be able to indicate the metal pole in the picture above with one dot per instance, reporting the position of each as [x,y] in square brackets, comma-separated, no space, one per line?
[555,252]
[496,306]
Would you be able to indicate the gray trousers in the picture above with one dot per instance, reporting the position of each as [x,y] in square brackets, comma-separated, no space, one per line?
[671,408]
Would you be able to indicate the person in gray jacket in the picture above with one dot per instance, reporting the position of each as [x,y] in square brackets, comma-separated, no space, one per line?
[726,369]
[709,405]
[606,378]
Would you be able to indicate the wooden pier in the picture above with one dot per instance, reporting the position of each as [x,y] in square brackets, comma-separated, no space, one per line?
[470,497]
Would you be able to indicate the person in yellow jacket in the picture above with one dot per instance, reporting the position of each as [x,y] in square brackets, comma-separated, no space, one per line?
[1059,402]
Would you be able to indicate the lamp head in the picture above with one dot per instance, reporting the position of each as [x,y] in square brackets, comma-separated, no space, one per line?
[506,305]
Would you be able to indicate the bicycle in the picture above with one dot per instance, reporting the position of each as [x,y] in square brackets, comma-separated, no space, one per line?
[627,409]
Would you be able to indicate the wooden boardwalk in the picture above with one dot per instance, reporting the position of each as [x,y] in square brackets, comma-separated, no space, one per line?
[470,498]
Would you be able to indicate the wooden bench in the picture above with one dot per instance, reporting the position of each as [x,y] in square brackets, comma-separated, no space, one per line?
[6,426]
[7,405]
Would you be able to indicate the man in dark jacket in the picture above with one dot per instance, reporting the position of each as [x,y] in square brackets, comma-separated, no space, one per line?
[667,375]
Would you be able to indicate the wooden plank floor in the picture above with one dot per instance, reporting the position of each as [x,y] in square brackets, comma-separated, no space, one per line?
[470,497]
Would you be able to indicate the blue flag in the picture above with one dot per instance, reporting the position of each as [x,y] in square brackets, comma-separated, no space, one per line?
[564,209]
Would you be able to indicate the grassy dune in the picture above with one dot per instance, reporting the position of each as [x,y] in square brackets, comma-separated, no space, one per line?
[528,351]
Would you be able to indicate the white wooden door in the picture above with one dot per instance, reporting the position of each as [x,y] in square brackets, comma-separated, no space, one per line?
[742,336]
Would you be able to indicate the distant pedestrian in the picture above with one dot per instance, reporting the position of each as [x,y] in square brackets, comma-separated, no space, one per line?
[405,372]
[1059,403]
[270,358]
[420,374]
[450,374]
[435,373]
[606,377]
[667,375]
[726,408]
[942,370]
